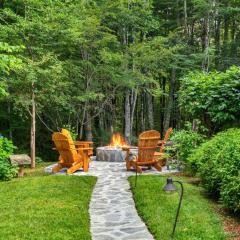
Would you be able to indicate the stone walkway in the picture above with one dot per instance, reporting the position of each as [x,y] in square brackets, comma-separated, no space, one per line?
[112,209]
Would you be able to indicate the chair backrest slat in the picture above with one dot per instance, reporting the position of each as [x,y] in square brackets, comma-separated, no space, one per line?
[67,151]
[166,137]
[148,143]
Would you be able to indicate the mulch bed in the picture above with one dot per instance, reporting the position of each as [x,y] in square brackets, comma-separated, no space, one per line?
[231,223]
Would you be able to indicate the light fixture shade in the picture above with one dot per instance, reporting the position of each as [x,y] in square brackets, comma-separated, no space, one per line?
[169,187]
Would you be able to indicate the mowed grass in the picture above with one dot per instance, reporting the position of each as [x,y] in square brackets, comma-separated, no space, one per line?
[197,220]
[45,207]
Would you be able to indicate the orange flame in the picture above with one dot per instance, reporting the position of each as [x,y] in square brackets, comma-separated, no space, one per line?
[118,140]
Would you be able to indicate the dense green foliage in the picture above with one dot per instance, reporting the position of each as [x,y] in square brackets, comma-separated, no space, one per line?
[230,193]
[115,65]
[214,96]
[8,62]
[46,207]
[197,219]
[217,163]
[185,142]
[7,171]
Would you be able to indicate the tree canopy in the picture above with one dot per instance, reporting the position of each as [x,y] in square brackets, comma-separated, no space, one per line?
[128,65]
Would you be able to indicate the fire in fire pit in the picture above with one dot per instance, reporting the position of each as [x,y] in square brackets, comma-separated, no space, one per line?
[113,152]
[118,140]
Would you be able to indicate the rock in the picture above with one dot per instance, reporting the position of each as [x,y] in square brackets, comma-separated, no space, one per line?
[113,154]
[112,209]
[20,159]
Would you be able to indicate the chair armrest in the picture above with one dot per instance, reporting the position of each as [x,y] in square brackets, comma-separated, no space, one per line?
[148,148]
[83,142]
[84,149]
[126,148]
[161,142]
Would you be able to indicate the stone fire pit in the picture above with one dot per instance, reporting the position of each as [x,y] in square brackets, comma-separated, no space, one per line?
[113,154]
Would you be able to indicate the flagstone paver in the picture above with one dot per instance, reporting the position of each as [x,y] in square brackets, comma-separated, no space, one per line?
[112,209]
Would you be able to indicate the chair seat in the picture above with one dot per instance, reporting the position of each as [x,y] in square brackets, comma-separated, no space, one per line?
[158,154]
[160,158]
[71,156]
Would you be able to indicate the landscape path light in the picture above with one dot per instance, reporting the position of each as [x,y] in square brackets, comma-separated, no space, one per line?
[170,187]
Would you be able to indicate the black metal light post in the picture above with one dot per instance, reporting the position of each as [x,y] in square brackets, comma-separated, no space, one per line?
[136,175]
[170,187]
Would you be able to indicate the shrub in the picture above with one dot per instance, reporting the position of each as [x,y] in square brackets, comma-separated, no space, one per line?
[218,165]
[230,193]
[212,94]
[185,141]
[7,171]
[72,131]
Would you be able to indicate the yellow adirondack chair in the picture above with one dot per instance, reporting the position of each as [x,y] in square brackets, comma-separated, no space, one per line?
[71,157]
[160,156]
[78,144]
[147,145]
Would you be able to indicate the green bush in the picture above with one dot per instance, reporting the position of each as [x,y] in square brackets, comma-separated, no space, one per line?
[230,193]
[7,171]
[218,165]
[213,94]
[185,141]
[72,131]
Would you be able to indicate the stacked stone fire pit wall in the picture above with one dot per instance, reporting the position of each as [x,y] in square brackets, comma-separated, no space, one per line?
[113,154]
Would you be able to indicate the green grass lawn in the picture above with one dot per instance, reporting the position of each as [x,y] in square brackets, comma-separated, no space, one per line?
[197,221]
[41,206]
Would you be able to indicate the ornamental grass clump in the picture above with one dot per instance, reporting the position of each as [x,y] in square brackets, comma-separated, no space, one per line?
[218,165]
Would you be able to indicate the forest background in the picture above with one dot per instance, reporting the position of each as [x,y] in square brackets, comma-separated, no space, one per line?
[97,67]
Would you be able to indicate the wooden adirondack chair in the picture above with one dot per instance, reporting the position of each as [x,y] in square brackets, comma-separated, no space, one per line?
[71,157]
[147,145]
[160,156]
[79,144]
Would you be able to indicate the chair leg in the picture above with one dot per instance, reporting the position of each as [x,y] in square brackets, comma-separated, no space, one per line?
[85,164]
[57,168]
[128,165]
[139,169]
[74,168]
[157,166]
[136,166]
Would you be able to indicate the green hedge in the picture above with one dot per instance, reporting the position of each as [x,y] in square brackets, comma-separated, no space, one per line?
[185,142]
[218,165]
[7,171]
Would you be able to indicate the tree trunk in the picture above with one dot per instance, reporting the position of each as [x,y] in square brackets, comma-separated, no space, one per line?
[132,107]
[233,42]
[185,19]
[217,41]
[205,43]
[9,120]
[127,129]
[168,111]
[162,103]
[178,13]
[191,41]
[137,117]
[142,114]
[195,125]
[226,30]
[150,111]
[88,127]
[33,133]
[80,134]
